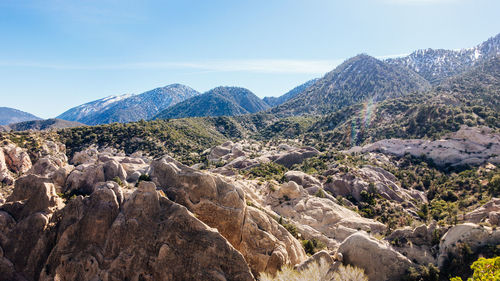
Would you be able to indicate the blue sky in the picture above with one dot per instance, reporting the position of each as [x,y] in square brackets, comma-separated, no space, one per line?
[57,54]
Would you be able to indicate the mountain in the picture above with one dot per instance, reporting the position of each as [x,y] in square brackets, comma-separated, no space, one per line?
[86,113]
[43,125]
[274,101]
[10,115]
[358,79]
[478,86]
[127,108]
[471,98]
[438,64]
[221,101]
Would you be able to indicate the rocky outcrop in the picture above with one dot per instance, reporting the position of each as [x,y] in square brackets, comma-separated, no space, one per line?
[84,177]
[419,244]
[24,222]
[14,161]
[16,158]
[371,179]
[97,238]
[489,212]
[295,156]
[469,234]
[265,244]
[379,260]
[324,216]
[468,146]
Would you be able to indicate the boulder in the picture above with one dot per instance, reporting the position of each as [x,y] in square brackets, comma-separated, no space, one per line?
[17,159]
[379,260]
[32,194]
[488,212]
[85,176]
[472,235]
[296,156]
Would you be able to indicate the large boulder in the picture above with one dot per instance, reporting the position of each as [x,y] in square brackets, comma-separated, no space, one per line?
[84,177]
[265,244]
[295,156]
[379,260]
[17,159]
[32,194]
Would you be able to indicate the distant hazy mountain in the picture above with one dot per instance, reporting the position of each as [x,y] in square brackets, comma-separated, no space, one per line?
[10,115]
[358,79]
[43,125]
[221,101]
[127,108]
[436,65]
[274,101]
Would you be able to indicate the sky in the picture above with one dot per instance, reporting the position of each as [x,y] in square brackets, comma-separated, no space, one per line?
[57,54]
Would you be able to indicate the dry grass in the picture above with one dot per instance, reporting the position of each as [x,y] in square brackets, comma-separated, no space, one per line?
[317,272]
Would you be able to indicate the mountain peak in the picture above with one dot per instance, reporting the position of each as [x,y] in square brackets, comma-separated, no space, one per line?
[219,101]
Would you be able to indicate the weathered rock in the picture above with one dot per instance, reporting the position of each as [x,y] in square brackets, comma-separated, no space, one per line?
[296,156]
[85,176]
[5,176]
[469,145]
[325,216]
[32,194]
[472,235]
[265,245]
[369,177]
[148,236]
[317,258]
[488,211]
[379,260]
[417,244]
[17,159]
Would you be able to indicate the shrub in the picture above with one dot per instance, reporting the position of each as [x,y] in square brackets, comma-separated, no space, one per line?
[269,171]
[144,177]
[118,181]
[484,270]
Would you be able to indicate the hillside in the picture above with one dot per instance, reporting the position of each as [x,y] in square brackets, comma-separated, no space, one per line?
[129,108]
[479,86]
[469,99]
[358,79]
[274,101]
[10,115]
[221,101]
[44,125]
[436,65]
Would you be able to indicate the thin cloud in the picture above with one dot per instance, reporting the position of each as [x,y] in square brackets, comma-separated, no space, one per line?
[418,2]
[255,66]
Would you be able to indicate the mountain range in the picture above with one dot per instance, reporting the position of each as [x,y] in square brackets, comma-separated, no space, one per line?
[358,80]
[438,64]
[129,108]
[216,102]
